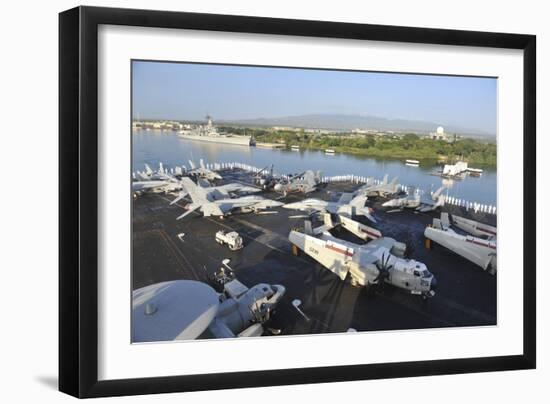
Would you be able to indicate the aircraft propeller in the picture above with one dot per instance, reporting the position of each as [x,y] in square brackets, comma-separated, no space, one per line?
[383,268]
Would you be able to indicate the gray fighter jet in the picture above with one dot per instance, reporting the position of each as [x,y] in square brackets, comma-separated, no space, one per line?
[346,205]
[305,182]
[221,191]
[380,260]
[435,201]
[160,181]
[202,171]
[212,202]
[383,189]
[265,177]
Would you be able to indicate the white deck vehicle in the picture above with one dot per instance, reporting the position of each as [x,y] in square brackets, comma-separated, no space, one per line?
[232,239]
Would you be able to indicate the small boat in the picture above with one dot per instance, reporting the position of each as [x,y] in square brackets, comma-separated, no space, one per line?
[329,151]
[412,163]
[475,172]
[295,147]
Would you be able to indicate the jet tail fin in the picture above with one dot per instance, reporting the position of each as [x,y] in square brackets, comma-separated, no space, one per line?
[436,194]
[445,223]
[308,229]
[359,201]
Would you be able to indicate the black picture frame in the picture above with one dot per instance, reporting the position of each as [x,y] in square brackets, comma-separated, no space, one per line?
[78,200]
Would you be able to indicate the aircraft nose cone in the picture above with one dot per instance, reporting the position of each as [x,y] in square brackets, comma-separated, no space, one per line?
[433,284]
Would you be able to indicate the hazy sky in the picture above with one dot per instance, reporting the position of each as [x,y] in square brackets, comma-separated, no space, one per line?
[190,91]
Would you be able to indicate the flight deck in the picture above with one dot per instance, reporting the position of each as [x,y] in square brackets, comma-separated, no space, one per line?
[164,249]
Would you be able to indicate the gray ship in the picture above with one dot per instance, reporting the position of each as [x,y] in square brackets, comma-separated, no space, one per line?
[209,133]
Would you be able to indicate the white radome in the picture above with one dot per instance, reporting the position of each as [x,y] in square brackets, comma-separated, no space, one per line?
[440,130]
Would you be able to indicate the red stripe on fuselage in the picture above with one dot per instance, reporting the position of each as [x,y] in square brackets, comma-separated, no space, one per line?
[482,244]
[486,230]
[339,250]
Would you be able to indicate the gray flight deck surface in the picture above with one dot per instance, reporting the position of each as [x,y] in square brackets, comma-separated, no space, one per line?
[465,296]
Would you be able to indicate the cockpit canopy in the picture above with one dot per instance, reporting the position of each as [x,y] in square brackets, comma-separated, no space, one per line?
[413,267]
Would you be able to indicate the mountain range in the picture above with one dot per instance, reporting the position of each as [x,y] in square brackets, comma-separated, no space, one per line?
[349,122]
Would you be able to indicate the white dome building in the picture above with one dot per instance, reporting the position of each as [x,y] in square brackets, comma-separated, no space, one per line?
[440,134]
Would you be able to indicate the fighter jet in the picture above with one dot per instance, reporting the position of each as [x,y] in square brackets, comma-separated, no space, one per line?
[409,201]
[435,201]
[212,202]
[380,260]
[202,171]
[346,205]
[221,191]
[155,186]
[160,181]
[265,177]
[150,175]
[305,182]
[480,251]
[382,189]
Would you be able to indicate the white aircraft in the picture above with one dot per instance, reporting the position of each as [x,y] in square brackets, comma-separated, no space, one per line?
[408,201]
[435,201]
[155,181]
[221,191]
[202,171]
[382,189]
[380,260]
[214,203]
[480,251]
[475,228]
[305,182]
[161,174]
[156,186]
[346,205]
[186,309]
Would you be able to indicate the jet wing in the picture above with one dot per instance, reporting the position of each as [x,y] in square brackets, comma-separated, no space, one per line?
[331,255]
[216,209]
[345,198]
[191,208]
[181,195]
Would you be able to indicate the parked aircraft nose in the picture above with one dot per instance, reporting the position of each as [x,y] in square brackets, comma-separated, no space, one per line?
[433,284]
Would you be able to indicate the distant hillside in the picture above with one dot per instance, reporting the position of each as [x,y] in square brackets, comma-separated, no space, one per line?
[349,122]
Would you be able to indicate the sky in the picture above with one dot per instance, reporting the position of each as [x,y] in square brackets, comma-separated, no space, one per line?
[184,91]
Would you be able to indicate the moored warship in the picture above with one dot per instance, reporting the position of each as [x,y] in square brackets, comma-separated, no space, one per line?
[209,133]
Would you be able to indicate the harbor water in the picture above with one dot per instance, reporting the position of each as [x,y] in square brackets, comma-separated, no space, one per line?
[156,146]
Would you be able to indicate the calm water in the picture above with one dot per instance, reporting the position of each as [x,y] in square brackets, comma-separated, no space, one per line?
[154,146]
